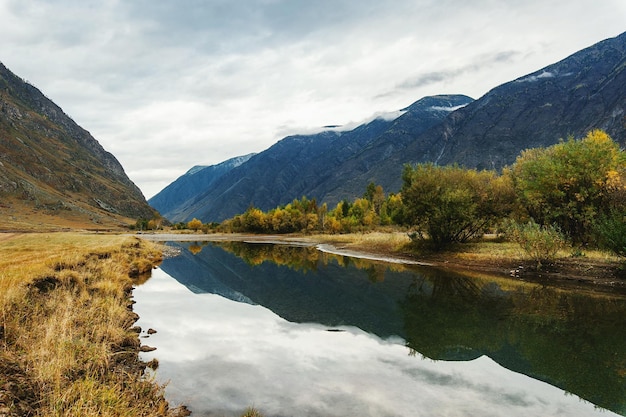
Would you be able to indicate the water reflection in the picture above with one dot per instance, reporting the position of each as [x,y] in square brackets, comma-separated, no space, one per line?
[250,355]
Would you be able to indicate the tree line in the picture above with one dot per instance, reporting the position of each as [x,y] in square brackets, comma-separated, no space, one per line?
[573,191]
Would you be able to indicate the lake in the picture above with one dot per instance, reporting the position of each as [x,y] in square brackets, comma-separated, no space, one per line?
[293,331]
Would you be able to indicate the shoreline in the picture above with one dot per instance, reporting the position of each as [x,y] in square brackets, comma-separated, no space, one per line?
[606,275]
[68,341]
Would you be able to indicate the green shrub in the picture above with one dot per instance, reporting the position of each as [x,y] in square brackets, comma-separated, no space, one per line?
[611,232]
[539,243]
[449,205]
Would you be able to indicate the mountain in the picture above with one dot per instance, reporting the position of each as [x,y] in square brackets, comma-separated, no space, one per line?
[53,173]
[349,179]
[584,91]
[306,164]
[184,191]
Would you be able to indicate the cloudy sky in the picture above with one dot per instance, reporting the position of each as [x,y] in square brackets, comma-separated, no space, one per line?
[165,85]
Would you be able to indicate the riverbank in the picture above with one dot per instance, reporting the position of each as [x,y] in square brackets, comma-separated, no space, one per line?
[68,345]
[593,269]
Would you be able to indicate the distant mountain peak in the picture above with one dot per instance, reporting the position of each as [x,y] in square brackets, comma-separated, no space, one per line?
[443,101]
[232,162]
[185,188]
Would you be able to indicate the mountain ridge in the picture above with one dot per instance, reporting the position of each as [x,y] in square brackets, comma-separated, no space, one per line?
[301,165]
[180,193]
[584,91]
[52,171]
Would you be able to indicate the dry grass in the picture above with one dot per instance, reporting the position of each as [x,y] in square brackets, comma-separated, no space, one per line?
[489,249]
[385,242]
[19,215]
[66,348]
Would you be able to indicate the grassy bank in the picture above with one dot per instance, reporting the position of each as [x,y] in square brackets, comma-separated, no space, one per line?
[67,347]
[492,256]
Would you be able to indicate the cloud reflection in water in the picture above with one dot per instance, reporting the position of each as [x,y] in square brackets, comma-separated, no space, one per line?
[222,356]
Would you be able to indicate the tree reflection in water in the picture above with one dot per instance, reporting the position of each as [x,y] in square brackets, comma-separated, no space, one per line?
[570,339]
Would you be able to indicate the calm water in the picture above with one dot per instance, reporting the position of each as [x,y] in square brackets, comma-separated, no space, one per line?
[296,332]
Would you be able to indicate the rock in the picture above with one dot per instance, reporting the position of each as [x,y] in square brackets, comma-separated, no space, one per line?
[135,329]
[145,348]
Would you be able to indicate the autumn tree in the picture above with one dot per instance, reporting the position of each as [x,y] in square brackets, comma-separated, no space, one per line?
[450,204]
[194,224]
[571,183]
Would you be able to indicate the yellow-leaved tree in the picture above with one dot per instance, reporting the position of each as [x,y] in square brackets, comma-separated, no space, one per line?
[571,184]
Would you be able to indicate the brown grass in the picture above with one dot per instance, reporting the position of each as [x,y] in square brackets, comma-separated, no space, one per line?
[66,348]
[23,216]
[385,242]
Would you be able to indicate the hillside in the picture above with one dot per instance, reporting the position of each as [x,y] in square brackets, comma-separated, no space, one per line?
[183,192]
[313,165]
[582,92]
[53,173]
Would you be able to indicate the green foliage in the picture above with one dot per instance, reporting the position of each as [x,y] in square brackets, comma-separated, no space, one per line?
[140,224]
[540,243]
[611,232]
[570,183]
[179,226]
[154,223]
[306,216]
[574,185]
[450,204]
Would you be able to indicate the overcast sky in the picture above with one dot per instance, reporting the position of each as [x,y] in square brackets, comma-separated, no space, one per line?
[165,85]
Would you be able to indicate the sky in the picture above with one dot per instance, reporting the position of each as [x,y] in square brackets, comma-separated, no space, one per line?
[165,85]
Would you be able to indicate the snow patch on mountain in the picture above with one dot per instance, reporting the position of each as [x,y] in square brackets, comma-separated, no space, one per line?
[446,108]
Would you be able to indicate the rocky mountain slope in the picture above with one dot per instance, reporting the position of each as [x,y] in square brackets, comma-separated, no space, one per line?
[310,164]
[585,91]
[187,189]
[53,173]
[582,92]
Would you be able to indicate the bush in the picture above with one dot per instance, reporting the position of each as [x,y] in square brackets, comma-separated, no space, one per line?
[251,412]
[571,183]
[611,232]
[448,205]
[540,243]
[194,224]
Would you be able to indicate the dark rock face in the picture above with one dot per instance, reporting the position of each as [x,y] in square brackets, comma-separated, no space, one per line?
[582,92]
[373,163]
[46,158]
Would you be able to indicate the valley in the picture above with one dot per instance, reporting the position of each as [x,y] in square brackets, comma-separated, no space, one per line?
[533,173]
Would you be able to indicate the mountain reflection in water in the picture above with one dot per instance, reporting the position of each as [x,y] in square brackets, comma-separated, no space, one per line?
[572,340]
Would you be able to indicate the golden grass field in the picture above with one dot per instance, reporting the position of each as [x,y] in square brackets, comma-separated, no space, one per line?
[67,347]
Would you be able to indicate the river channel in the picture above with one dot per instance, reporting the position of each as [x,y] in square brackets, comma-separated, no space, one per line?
[292,331]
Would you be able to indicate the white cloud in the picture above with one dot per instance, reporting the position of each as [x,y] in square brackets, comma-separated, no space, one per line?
[178,84]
